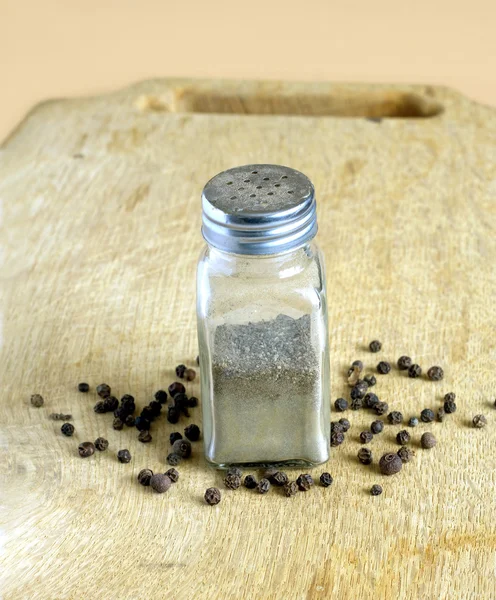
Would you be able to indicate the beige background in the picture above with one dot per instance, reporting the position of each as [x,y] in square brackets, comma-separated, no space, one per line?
[55,49]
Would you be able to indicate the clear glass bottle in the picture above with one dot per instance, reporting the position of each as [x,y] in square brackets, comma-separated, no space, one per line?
[262,321]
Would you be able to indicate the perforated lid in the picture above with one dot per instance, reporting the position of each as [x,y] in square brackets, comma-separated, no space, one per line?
[259,209]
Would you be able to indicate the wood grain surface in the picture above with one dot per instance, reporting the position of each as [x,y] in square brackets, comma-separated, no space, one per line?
[100,239]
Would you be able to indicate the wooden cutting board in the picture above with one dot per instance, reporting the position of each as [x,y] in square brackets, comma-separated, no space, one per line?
[101,201]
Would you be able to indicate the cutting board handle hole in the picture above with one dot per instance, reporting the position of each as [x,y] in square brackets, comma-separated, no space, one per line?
[372,104]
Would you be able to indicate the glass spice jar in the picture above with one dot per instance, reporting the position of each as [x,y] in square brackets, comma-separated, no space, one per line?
[262,321]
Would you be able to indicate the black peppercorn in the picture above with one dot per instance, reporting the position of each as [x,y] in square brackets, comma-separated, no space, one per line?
[395,417]
[326,479]
[117,424]
[263,486]
[174,436]
[336,427]
[450,406]
[403,437]
[147,415]
[341,404]
[290,489]
[356,403]
[101,444]
[161,396]
[182,447]
[111,403]
[173,414]
[370,400]
[414,371]
[390,464]
[337,438]
[144,476]
[406,454]
[145,436]
[376,490]
[103,390]
[370,380]
[435,373]
[180,369]
[450,397]
[124,456]
[86,449]
[304,482]
[192,432]
[193,401]
[404,363]
[376,426]
[83,387]
[479,421]
[381,408]
[428,440]
[100,407]
[250,482]
[176,388]
[375,346]
[366,437]
[173,459]
[269,473]
[121,414]
[427,415]
[365,456]
[413,422]
[155,408]
[383,367]
[353,375]
[440,414]
[234,471]
[358,364]
[359,390]
[160,483]
[130,421]
[345,424]
[142,424]
[173,475]
[190,374]
[67,429]
[127,400]
[212,496]
[280,478]
[232,482]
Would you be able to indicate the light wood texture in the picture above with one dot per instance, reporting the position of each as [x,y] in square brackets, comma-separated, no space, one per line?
[100,242]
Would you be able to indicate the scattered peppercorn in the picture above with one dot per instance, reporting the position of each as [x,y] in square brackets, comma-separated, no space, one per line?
[250,482]
[413,422]
[383,367]
[376,490]
[111,403]
[161,396]
[406,454]
[427,415]
[124,456]
[341,404]
[212,496]
[173,475]
[173,414]
[440,414]
[142,424]
[280,478]
[395,417]
[174,436]
[356,403]
[403,437]
[375,346]
[193,401]
[127,400]
[337,438]
[232,482]
[37,400]
[67,429]
[304,482]
[103,390]
[435,373]
[404,363]
[366,437]
[117,424]
[450,397]
[336,427]
[376,426]
[414,371]
[428,440]
[130,421]
[345,424]
[234,471]
[449,406]
[160,483]
[370,400]
[326,479]
[263,486]
[381,408]
[99,407]
[390,464]
[145,437]
[358,364]
[83,387]
[180,369]
[86,449]
[60,417]
[173,459]
[479,421]
[192,432]
[353,375]
[365,456]
[176,388]
[359,390]
[144,476]
[101,444]
[268,473]
[190,374]
[290,489]
[370,380]
[182,447]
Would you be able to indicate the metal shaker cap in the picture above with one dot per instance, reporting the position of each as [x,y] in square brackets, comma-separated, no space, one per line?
[259,209]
